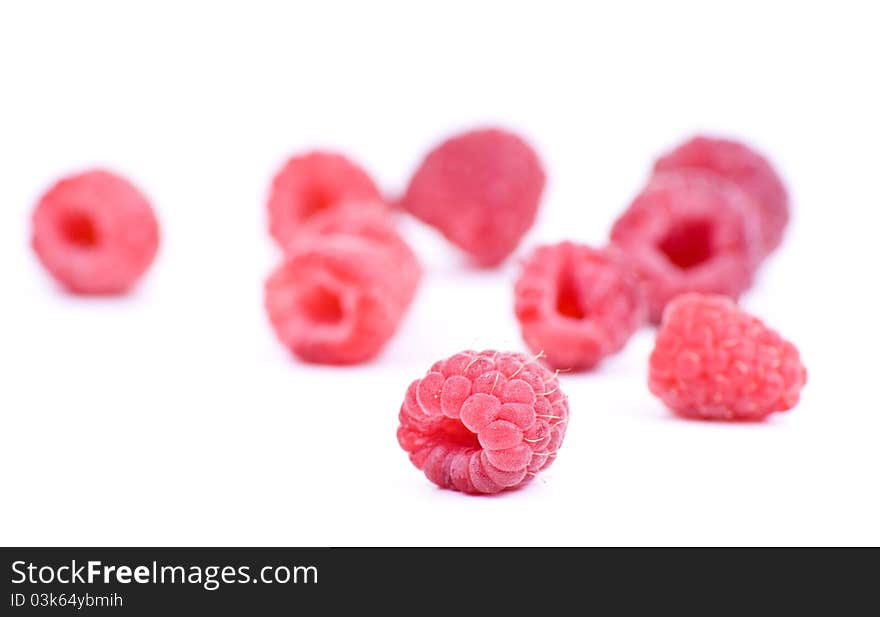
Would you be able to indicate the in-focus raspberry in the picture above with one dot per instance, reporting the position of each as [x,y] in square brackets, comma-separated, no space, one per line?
[577,304]
[483,422]
[481,189]
[750,170]
[95,233]
[313,182]
[342,289]
[713,361]
[686,231]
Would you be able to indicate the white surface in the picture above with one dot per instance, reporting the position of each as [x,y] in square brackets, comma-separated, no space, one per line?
[173,417]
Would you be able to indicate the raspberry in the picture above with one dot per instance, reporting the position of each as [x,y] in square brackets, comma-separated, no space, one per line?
[95,233]
[748,169]
[481,189]
[368,220]
[577,304]
[310,183]
[343,287]
[483,422]
[713,361]
[689,231]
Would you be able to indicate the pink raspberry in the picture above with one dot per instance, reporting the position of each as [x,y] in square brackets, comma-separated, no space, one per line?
[577,304]
[483,422]
[313,182]
[689,231]
[481,189]
[748,169]
[343,287]
[368,220]
[713,361]
[95,232]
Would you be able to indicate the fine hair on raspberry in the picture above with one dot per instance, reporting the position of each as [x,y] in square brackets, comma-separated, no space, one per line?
[483,422]
[577,304]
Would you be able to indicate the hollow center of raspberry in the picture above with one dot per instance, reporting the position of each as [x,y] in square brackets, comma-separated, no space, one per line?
[453,433]
[568,303]
[688,243]
[321,305]
[317,201]
[78,229]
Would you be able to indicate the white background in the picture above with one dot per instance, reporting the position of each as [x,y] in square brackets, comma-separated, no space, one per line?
[172,416]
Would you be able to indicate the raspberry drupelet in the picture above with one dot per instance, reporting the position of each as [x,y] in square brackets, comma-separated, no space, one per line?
[483,422]
[481,189]
[713,361]
[95,233]
[745,167]
[313,182]
[689,231]
[343,286]
[577,304]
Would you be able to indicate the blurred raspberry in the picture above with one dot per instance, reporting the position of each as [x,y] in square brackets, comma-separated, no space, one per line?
[690,231]
[342,288]
[314,182]
[577,304]
[481,189]
[483,422]
[745,167]
[367,220]
[713,361]
[95,232]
